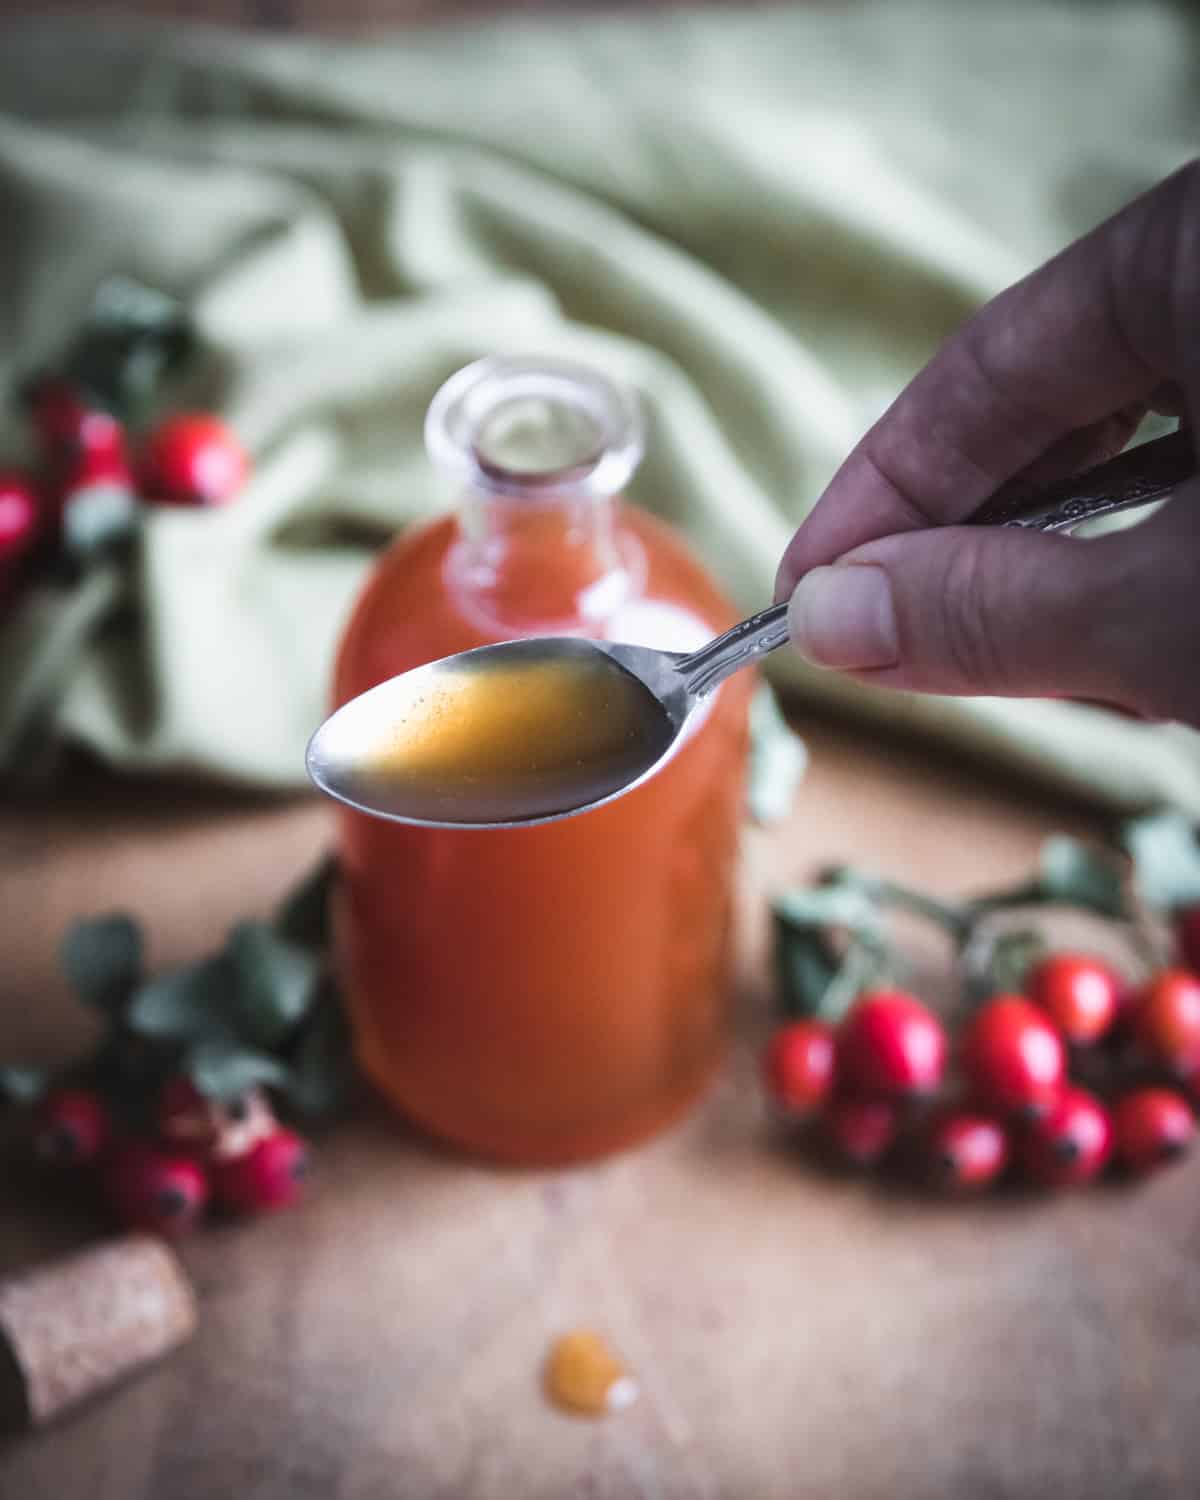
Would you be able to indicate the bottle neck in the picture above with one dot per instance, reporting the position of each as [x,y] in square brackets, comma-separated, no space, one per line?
[540,564]
[541,448]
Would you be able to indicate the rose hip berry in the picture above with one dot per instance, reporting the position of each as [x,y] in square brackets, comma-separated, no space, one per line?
[1167,1019]
[270,1176]
[194,459]
[1081,995]
[151,1189]
[70,1127]
[1013,1057]
[19,514]
[967,1150]
[212,1129]
[860,1129]
[1071,1143]
[799,1065]
[67,423]
[891,1045]
[1151,1127]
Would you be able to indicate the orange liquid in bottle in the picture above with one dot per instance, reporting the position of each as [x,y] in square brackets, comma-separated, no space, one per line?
[549,993]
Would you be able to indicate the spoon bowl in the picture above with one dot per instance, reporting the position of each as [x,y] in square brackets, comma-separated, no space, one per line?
[508,735]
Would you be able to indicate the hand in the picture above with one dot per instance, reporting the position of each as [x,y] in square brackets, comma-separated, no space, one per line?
[1050,377]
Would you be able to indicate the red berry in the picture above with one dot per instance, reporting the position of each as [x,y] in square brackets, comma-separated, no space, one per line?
[1081,995]
[1167,1018]
[271,1176]
[150,1189]
[799,1065]
[212,1129]
[19,515]
[67,423]
[1013,1057]
[1071,1143]
[1151,1126]
[107,465]
[70,1127]
[861,1129]
[194,459]
[890,1044]
[967,1150]
[1187,935]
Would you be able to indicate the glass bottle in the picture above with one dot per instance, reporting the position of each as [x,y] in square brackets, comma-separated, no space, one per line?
[557,992]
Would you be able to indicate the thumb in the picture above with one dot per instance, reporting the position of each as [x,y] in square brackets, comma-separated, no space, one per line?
[1010,612]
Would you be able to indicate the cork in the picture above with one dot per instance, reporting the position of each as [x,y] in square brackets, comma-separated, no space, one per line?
[70,1329]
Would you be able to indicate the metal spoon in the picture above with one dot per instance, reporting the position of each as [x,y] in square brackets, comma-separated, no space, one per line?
[647,700]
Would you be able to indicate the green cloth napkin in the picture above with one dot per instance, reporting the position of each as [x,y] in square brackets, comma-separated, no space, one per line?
[765,220]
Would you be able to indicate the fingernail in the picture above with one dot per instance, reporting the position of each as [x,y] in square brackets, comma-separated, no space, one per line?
[844,616]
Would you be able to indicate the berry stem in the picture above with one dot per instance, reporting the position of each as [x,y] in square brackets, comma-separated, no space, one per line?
[957,920]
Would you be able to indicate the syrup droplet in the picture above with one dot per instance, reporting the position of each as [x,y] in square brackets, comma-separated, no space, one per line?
[497,739]
[584,1375]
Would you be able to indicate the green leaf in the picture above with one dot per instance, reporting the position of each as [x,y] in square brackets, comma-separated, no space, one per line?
[102,957]
[224,1070]
[814,978]
[864,965]
[188,1004]
[322,1067]
[132,339]
[1166,859]
[777,761]
[1009,958]
[21,1085]
[276,983]
[883,894]
[1072,873]
[837,904]
[304,916]
[805,965]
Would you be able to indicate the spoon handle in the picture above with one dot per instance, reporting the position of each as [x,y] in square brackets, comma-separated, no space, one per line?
[1134,478]
[707,668]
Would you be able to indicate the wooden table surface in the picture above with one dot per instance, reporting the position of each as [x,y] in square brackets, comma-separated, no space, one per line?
[797,1334]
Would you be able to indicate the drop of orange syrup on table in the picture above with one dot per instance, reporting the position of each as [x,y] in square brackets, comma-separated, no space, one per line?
[584,1375]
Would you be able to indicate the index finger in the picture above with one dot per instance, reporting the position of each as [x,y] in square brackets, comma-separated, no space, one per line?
[1091,331]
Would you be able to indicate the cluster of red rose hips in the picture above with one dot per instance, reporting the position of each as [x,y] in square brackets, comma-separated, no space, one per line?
[1020,1106]
[233,1155]
[85,454]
